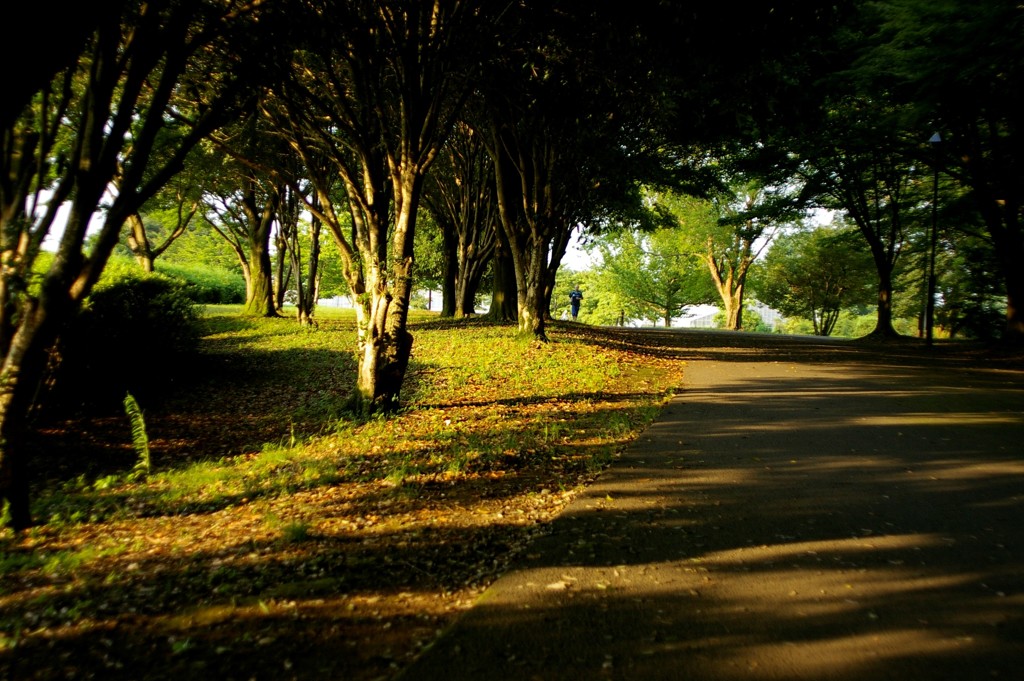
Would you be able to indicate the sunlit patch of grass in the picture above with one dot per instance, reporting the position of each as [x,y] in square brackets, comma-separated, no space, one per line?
[480,398]
[496,433]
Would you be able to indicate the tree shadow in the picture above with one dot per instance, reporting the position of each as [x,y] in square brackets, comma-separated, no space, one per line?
[847,524]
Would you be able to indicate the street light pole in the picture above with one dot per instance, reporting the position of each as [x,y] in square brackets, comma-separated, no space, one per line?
[929,310]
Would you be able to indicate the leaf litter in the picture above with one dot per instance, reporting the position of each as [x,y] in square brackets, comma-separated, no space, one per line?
[278,539]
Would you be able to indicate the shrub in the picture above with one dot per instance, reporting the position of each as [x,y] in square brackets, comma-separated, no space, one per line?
[207,285]
[134,334]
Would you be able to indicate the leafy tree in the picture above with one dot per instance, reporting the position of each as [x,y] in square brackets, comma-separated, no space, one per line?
[460,195]
[374,90]
[150,235]
[971,289]
[258,175]
[860,162]
[168,214]
[815,274]
[563,115]
[244,216]
[728,233]
[179,201]
[653,275]
[293,233]
[200,245]
[91,113]
[959,68]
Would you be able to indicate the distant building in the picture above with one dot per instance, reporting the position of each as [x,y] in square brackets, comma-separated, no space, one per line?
[697,317]
[769,316]
[703,316]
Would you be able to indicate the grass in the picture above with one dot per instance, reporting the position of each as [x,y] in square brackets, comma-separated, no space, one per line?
[261,486]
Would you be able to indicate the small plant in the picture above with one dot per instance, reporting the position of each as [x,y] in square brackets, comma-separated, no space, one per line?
[402,470]
[457,463]
[179,646]
[140,440]
[292,532]
[295,532]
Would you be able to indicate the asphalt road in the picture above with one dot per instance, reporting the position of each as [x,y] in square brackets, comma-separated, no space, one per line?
[803,512]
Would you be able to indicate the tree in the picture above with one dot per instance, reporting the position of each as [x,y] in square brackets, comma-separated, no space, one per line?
[959,68]
[375,89]
[460,195]
[504,305]
[653,274]
[728,233]
[859,161]
[310,293]
[242,207]
[559,116]
[292,233]
[92,116]
[972,291]
[165,217]
[815,274]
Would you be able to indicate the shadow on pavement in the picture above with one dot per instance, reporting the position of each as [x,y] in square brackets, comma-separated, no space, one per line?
[781,520]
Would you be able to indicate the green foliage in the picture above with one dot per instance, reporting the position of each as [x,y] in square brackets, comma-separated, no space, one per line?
[753,322]
[135,333]
[140,439]
[201,247]
[815,274]
[645,276]
[206,284]
[429,246]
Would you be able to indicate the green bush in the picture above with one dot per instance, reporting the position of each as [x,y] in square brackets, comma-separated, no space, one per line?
[207,285]
[135,333]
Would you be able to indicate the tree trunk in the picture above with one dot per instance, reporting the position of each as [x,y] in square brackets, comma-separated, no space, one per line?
[1014,331]
[384,348]
[450,273]
[138,242]
[504,295]
[384,343]
[730,287]
[883,325]
[468,286]
[1009,241]
[530,280]
[258,228]
[20,378]
[282,268]
[308,298]
[260,301]
[734,309]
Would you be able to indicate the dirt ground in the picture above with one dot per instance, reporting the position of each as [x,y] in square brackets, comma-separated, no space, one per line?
[803,510]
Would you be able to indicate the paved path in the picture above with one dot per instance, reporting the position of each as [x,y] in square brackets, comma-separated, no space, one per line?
[803,517]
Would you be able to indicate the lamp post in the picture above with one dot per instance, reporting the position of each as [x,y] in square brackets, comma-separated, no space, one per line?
[929,310]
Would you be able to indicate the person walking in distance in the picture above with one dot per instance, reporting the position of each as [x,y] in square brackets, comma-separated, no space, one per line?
[575,296]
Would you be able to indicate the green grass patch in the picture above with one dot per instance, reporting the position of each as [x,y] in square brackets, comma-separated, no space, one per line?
[479,399]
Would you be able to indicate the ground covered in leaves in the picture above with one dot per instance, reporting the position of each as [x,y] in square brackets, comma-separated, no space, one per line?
[277,538]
